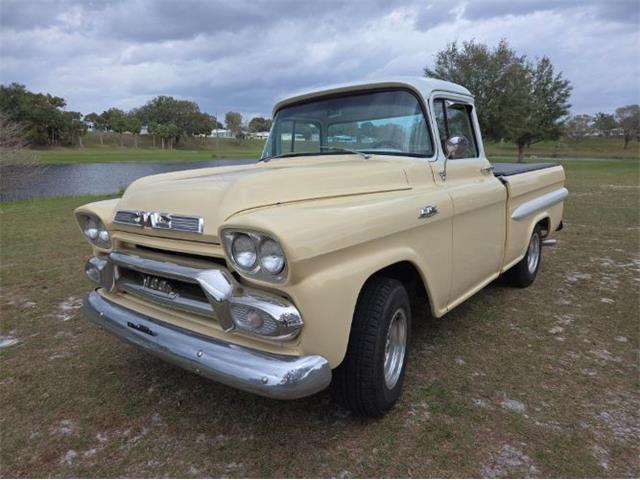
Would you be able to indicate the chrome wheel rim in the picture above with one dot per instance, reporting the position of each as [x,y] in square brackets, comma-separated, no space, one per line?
[533,253]
[395,348]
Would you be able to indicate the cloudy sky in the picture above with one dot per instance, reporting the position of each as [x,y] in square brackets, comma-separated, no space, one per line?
[243,55]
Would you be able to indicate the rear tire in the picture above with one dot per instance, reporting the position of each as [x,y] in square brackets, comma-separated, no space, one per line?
[525,271]
[369,379]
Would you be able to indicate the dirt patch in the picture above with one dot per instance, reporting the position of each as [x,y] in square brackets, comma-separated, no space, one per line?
[601,455]
[64,428]
[69,308]
[513,405]
[623,426]
[509,462]
[69,457]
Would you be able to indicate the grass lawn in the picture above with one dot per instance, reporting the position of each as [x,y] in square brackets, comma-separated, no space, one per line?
[596,147]
[535,382]
[191,151]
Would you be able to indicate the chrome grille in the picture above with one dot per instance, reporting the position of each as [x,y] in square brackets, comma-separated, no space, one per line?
[185,223]
[213,293]
[160,221]
[129,218]
[170,292]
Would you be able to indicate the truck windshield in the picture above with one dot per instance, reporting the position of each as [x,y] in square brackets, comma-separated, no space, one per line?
[386,122]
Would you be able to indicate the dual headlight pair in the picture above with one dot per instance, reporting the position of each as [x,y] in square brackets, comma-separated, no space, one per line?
[255,254]
[252,253]
[94,230]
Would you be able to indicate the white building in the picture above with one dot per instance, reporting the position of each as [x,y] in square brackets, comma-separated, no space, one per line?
[222,133]
[260,135]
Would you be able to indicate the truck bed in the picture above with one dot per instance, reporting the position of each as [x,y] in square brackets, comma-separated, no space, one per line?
[508,169]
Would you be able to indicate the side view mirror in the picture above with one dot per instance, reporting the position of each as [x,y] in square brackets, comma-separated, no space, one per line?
[455,144]
[452,146]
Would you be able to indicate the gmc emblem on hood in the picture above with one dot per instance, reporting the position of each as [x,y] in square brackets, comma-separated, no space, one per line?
[160,221]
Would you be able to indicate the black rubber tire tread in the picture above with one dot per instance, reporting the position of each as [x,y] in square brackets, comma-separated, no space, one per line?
[519,276]
[358,382]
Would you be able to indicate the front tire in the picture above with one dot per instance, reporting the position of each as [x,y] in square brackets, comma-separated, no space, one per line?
[525,271]
[369,379]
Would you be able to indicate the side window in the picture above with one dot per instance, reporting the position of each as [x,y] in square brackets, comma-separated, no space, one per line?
[454,120]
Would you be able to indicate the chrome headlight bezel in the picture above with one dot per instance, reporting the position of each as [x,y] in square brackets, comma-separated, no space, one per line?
[87,222]
[257,270]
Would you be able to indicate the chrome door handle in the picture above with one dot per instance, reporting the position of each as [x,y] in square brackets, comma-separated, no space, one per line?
[487,170]
[428,211]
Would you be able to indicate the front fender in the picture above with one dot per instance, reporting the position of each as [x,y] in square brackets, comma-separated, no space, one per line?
[333,247]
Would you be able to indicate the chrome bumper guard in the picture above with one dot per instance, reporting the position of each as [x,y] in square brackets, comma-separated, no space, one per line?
[262,373]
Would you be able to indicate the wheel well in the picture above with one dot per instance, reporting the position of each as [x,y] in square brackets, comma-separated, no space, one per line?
[545,223]
[407,274]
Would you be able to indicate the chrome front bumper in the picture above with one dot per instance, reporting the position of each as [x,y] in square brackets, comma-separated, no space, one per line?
[262,373]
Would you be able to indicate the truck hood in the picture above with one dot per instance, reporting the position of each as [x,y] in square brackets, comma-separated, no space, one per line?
[217,194]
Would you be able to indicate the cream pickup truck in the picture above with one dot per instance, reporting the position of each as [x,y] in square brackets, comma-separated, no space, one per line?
[373,205]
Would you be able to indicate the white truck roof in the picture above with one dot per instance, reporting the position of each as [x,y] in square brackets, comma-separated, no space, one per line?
[423,86]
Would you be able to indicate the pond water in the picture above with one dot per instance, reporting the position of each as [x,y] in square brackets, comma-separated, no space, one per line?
[20,183]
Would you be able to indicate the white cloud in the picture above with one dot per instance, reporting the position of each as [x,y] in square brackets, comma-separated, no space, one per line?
[242,56]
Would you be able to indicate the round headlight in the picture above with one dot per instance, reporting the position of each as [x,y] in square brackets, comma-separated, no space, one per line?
[243,249]
[103,235]
[271,257]
[91,233]
[94,230]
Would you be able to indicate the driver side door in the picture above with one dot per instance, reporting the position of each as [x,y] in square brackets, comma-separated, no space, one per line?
[479,200]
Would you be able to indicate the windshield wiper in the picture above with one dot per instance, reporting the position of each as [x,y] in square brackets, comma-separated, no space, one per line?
[366,156]
[280,155]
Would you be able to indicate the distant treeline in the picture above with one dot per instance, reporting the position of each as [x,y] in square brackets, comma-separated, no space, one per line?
[625,123]
[44,121]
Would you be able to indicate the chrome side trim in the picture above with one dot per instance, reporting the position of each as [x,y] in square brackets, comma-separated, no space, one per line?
[540,203]
[267,374]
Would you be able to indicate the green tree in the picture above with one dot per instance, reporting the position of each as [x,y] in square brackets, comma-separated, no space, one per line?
[116,121]
[40,115]
[604,123]
[167,133]
[628,119]
[73,128]
[133,125]
[99,124]
[185,115]
[517,100]
[579,127]
[233,121]
[13,144]
[259,124]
